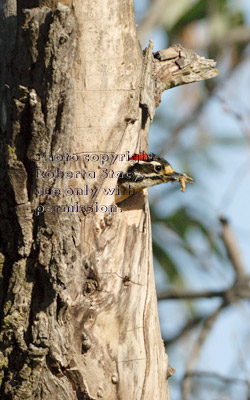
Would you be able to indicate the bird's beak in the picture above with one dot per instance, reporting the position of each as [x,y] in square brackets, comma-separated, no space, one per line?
[171,176]
[176,176]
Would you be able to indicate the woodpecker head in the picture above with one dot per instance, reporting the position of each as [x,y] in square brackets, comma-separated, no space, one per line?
[145,170]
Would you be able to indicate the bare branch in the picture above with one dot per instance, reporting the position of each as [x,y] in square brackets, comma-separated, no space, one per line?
[208,325]
[233,251]
[199,109]
[240,289]
[177,66]
[214,375]
[186,329]
[173,294]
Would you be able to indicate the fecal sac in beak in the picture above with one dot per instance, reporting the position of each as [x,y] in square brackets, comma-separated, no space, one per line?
[182,178]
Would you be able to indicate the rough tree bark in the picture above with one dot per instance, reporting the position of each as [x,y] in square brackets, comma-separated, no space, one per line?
[78,305]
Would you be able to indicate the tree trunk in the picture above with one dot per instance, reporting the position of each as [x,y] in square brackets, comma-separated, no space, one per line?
[78,302]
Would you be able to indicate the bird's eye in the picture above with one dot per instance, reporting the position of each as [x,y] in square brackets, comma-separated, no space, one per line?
[157,167]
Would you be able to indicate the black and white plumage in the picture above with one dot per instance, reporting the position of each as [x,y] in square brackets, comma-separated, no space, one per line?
[146,170]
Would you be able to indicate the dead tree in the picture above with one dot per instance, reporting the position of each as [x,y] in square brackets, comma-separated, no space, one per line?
[78,305]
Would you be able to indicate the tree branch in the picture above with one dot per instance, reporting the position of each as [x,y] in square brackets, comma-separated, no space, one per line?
[177,66]
[214,375]
[240,289]
[232,249]
[208,325]
[186,328]
[173,294]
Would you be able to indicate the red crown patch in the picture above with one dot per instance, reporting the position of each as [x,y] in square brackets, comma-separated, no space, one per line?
[142,157]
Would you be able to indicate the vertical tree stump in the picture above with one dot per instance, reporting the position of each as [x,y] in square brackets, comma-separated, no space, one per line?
[78,302]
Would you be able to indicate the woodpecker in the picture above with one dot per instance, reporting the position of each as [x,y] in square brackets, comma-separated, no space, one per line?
[145,170]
